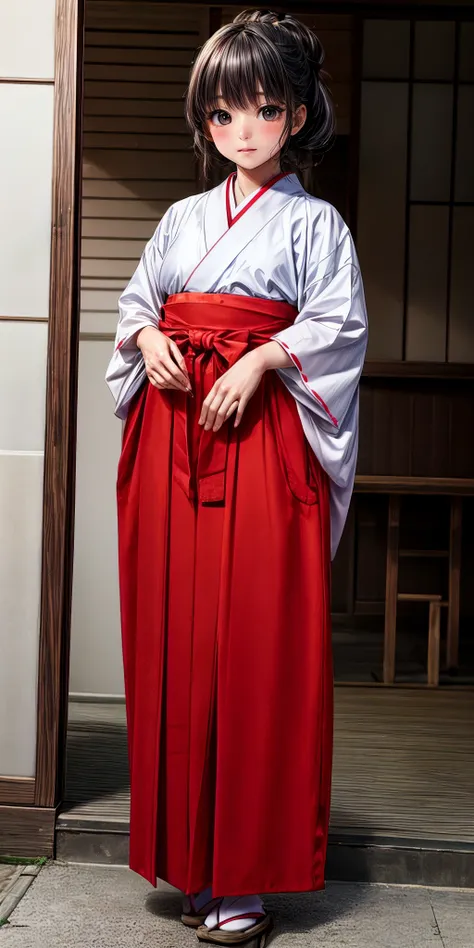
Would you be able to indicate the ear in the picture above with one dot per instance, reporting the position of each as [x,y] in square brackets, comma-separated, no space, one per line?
[299,118]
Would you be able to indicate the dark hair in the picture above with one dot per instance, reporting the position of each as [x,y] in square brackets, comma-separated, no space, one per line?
[282,55]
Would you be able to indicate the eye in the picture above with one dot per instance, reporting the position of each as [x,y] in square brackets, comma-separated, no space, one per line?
[220,117]
[271,112]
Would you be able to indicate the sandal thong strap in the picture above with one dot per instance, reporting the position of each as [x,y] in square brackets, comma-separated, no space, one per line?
[236,918]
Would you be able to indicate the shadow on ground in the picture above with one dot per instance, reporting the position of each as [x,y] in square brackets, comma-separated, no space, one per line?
[294,912]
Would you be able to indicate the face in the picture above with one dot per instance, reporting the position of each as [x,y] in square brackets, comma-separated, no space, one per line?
[252,137]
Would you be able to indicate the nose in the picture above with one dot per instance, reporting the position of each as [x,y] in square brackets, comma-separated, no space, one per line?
[244,131]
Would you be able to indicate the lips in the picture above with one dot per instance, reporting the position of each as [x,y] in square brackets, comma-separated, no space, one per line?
[247,149]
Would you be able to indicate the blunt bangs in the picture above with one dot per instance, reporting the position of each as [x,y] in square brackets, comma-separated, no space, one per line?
[238,65]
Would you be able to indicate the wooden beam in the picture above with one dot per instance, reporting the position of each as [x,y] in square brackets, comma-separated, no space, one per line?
[392,369]
[27,831]
[419,597]
[19,790]
[382,8]
[395,484]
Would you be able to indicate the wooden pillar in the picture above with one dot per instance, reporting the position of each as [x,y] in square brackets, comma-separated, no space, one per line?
[452,647]
[433,644]
[391,585]
[61,399]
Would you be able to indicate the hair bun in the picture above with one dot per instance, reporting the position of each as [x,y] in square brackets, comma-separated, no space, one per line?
[301,35]
[259,16]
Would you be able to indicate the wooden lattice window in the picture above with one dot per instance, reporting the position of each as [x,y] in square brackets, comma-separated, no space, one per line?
[416,188]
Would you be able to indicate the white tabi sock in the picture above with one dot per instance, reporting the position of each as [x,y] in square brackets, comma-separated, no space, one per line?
[231,906]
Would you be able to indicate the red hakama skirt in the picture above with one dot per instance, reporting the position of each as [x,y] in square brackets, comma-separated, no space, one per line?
[224,581]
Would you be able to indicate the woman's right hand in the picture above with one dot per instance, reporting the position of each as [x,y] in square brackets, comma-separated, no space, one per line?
[164,363]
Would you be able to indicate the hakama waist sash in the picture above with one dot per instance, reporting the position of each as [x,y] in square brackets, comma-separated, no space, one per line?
[213,331]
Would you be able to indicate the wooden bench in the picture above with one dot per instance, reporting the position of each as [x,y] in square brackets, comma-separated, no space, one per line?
[396,487]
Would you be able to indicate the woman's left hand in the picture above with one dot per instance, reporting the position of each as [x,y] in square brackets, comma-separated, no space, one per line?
[232,391]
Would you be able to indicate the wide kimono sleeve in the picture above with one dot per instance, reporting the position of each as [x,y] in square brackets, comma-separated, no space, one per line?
[327,344]
[139,306]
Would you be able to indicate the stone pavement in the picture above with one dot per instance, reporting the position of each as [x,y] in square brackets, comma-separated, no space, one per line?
[7,874]
[73,906]
[15,880]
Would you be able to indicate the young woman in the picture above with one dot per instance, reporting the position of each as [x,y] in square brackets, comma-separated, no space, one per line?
[238,355]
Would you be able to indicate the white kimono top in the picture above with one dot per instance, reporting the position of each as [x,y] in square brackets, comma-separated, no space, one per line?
[282,244]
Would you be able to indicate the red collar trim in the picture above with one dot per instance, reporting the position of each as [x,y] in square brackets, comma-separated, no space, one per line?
[232,220]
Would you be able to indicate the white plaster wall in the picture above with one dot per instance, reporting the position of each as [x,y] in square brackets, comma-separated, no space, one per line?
[26,154]
[27,39]
[26,123]
[96,655]
[22,406]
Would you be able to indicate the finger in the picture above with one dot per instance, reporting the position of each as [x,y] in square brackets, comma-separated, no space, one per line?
[240,411]
[179,358]
[167,369]
[212,411]
[231,409]
[156,384]
[155,377]
[206,404]
[169,379]
[157,372]
[174,370]
[159,380]
[228,406]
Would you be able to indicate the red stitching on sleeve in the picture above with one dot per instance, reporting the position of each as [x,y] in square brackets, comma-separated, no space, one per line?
[296,361]
[326,409]
[119,344]
[305,380]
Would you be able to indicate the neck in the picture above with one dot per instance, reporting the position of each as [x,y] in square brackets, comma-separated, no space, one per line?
[249,181]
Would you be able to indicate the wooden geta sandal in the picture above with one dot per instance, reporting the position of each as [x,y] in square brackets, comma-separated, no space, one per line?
[253,937]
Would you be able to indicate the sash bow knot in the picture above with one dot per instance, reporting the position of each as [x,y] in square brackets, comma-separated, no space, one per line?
[208,353]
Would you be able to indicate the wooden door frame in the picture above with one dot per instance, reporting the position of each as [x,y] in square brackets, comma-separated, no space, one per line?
[61,407]
[61,403]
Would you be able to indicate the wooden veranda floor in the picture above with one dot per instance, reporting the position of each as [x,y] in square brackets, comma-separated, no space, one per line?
[403,764]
